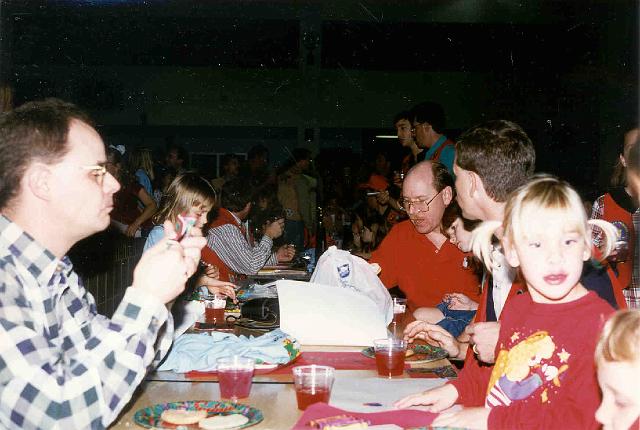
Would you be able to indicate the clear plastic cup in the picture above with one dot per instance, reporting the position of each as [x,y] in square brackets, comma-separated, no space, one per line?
[313,384]
[235,375]
[214,309]
[390,354]
[399,308]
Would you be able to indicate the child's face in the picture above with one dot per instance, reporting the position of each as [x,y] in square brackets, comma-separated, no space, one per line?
[620,406]
[200,214]
[459,236]
[551,258]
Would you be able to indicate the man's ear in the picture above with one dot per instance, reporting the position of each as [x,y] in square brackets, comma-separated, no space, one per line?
[509,252]
[447,195]
[38,180]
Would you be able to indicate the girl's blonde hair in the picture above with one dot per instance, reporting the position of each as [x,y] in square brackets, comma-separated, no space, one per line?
[141,158]
[543,195]
[185,191]
[620,339]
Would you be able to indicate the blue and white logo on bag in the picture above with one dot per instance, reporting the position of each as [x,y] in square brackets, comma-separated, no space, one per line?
[344,271]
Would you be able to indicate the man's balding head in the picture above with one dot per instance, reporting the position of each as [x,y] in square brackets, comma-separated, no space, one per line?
[426,192]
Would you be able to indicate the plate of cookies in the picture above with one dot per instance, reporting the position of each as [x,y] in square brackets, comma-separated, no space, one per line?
[198,414]
[416,353]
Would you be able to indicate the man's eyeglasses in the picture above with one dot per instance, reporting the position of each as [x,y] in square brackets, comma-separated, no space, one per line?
[420,205]
[98,171]
[415,126]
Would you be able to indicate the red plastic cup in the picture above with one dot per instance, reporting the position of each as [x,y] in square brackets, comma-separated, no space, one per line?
[390,354]
[235,375]
[313,384]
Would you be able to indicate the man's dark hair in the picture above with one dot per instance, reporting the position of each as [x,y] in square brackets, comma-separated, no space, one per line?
[500,153]
[235,195]
[441,177]
[431,113]
[405,114]
[257,151]
[35,131]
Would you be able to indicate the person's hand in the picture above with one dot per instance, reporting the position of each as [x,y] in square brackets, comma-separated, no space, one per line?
[367,235]
[285,253]
[434,335]
[164,269]
[484,335]
[275,228]
[473,418]
[383,198]
[437,399]
[460,302]
[132,229]
[215,286]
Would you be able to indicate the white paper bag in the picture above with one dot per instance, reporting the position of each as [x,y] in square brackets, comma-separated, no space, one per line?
[325,315]
[340,268]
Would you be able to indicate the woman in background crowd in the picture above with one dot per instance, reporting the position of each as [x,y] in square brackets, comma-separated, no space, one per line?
[133,206]
[141,163]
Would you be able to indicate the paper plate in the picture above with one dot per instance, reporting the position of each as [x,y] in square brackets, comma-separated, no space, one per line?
[421,353]
[149,417]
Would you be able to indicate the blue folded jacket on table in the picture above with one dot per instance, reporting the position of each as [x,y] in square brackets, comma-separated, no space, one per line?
[200,351]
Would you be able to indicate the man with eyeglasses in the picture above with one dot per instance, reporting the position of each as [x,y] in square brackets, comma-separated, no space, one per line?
[62,364]
[428,122]
[416,255]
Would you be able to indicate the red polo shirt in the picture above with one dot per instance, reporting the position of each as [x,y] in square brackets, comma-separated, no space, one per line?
[424,274]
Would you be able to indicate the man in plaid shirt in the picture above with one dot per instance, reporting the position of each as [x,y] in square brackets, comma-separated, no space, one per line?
[61,364]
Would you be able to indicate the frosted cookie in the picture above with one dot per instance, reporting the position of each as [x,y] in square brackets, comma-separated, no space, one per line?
[223,422]
[182,416]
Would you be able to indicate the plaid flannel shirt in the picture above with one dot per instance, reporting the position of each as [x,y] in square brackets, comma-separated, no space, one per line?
[63,366]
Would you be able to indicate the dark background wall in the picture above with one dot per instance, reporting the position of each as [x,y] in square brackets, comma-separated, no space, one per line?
[221,76]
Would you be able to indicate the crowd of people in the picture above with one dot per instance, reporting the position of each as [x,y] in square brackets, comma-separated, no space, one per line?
[501,267]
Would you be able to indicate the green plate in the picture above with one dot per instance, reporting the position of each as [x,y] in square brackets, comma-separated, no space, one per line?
[149,417]
[421,353]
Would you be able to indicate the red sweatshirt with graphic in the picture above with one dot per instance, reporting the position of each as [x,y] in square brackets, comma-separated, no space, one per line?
[544,376]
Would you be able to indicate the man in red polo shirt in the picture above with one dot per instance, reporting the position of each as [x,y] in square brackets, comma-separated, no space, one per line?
[416,256]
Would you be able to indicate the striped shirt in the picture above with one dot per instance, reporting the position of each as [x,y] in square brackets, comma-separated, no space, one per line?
[234,250]
[62,365]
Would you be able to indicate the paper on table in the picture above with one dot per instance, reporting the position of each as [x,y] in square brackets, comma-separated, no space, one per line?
[188,313]
[318,314]
[357,394]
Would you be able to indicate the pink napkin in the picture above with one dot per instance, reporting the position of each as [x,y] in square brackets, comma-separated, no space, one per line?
[404,417]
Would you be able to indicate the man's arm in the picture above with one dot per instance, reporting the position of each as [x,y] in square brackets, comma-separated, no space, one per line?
[385,255]
[234,250]
[83,376]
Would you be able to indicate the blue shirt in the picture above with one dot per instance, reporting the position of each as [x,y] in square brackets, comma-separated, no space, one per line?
[446,156]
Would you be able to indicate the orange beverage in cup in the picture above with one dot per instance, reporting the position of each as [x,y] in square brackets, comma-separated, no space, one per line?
[214,309]
[313,384]
[390,354]
[306,397]
[213,315]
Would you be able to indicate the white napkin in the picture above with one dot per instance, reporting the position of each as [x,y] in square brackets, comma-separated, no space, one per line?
[191,312]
